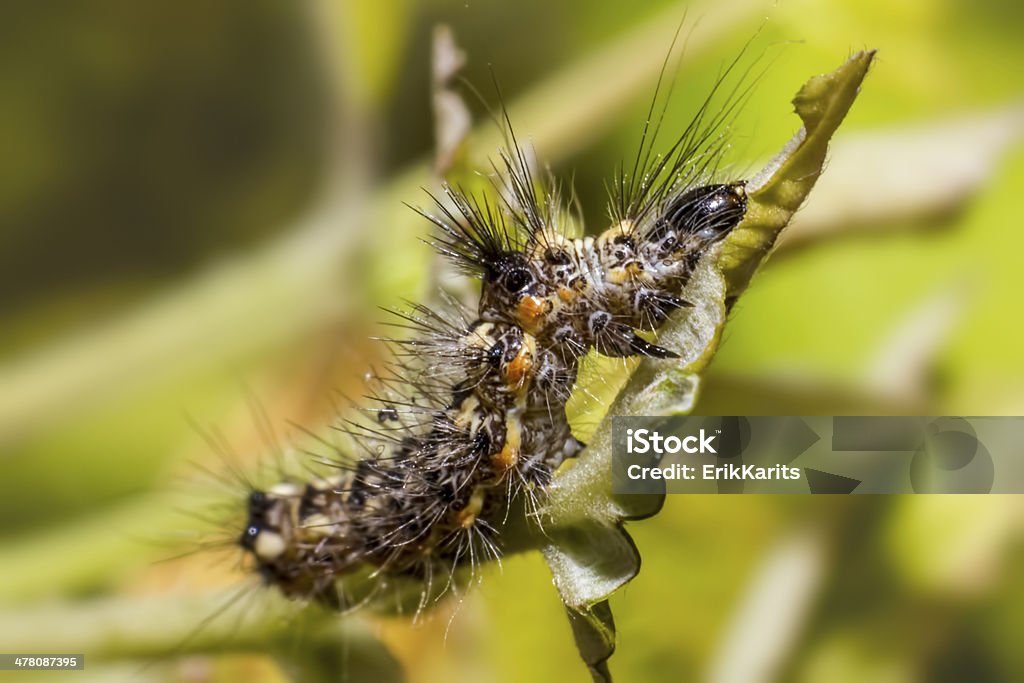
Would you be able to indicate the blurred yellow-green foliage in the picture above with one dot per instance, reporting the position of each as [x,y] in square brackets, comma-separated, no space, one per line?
[202,206]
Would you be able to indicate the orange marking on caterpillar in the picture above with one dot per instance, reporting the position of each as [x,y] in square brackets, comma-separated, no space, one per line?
[520,370]
[466,517]
[508,456]
[531,311]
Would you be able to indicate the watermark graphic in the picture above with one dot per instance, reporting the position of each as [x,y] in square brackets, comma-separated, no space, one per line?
[818,454]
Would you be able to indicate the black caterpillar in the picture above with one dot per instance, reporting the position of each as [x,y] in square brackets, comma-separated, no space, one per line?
[470,414]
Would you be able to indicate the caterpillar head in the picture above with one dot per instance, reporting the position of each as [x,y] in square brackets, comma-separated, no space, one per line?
[281,558]
[696,219]
[265,533]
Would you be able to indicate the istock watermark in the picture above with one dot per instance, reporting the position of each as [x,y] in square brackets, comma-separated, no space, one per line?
[647,441]
[818,454]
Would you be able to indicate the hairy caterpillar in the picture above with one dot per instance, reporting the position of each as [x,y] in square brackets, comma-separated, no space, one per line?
[470,414]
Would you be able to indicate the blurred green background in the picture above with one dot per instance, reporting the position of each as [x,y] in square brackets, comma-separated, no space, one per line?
[202,210]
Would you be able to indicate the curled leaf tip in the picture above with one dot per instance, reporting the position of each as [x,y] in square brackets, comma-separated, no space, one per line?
[781,187]
[587,549]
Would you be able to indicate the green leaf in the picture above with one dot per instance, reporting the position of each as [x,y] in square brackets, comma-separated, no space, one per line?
[587,552]
[589,559]
[779,190]
[594,632]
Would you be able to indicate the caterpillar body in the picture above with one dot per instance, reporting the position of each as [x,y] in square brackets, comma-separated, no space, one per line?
[470,413]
